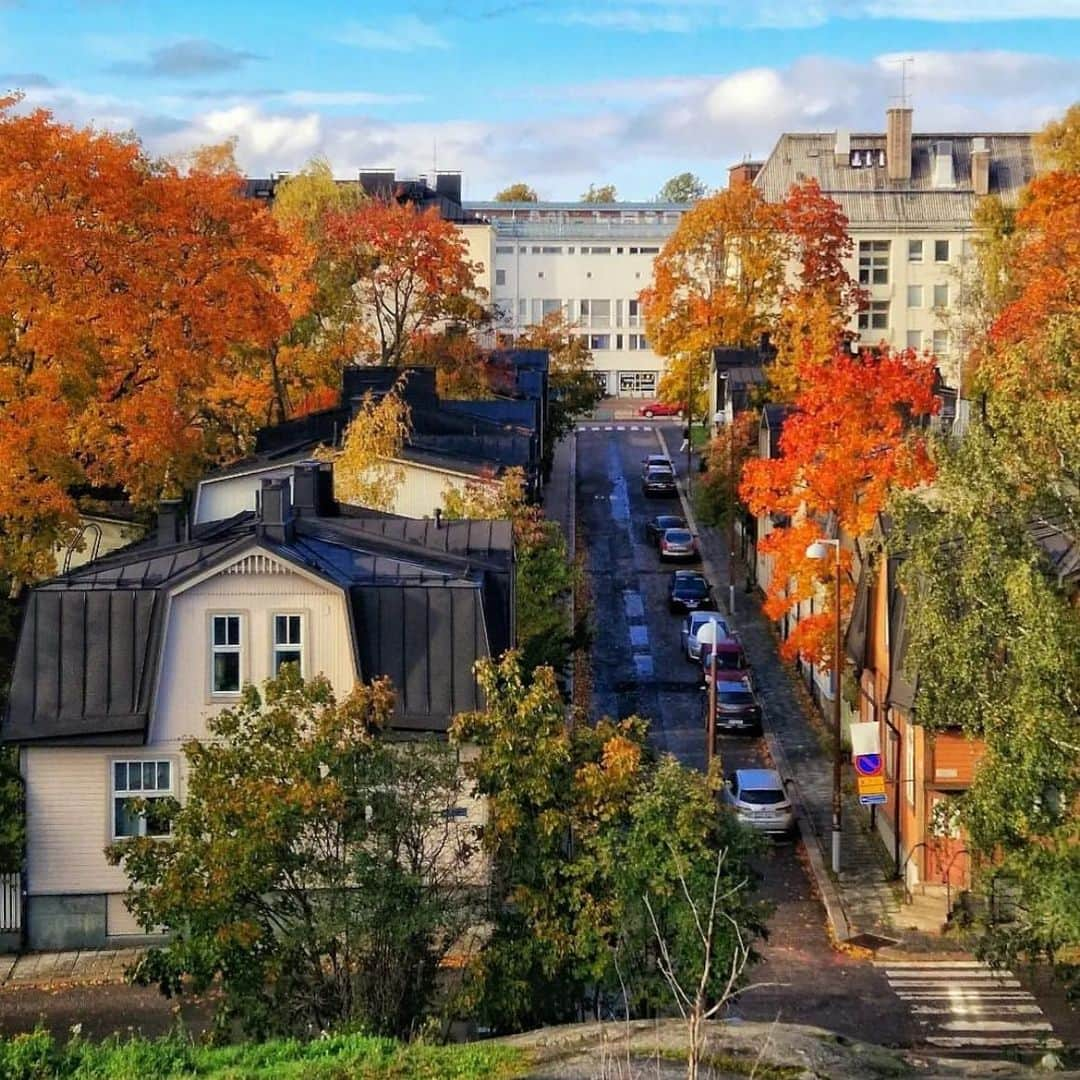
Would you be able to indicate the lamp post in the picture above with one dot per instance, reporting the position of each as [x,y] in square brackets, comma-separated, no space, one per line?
[819,549]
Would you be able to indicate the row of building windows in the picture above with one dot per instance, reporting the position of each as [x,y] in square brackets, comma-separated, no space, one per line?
[632,342]
[916,295]
[874,256]
[544,249]
[595,314]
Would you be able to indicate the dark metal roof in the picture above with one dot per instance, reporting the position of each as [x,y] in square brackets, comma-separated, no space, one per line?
[427,602]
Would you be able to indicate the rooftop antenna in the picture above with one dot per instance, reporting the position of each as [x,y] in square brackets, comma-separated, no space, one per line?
[903,61]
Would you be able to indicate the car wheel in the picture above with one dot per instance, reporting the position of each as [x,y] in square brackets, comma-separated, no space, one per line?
[648,414]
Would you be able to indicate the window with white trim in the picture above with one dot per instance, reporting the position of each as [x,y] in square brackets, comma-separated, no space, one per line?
[500,277]
[915,340]
[288,641]
[226,654]
[941,343]
[146,781]
[941,295]
[914,296]
[909,763]
[941,251]
[914,251]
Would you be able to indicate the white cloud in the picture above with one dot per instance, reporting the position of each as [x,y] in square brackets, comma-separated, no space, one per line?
[406,33]
[633,20]
[635,133]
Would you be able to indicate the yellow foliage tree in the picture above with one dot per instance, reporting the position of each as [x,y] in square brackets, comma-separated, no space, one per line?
[367,468]
[715,282]
[1058,144]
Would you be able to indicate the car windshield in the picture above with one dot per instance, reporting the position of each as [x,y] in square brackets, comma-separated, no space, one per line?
[736,697]
[762,796]
[666,523]
[728,661]
[691,586]
[678,536]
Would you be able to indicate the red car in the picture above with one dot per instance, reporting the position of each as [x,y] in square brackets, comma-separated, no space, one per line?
[661,408]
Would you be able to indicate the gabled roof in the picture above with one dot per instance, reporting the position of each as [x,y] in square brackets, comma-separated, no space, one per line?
[426,601]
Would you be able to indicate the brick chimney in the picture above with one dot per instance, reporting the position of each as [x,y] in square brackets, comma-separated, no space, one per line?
[980,166]
[898,144]
[842,149]
[743,173]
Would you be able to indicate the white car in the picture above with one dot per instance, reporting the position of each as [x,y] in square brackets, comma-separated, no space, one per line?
[759,798]
[692,624]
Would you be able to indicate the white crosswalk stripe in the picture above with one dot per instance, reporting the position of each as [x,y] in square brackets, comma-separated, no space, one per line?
[966,1005]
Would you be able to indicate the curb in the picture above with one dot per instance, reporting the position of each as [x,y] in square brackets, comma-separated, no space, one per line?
[827,890]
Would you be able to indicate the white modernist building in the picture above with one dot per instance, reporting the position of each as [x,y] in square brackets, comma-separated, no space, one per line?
[588,261]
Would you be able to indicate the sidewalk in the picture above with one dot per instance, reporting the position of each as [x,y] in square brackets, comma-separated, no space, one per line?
[86,966]
[862,899]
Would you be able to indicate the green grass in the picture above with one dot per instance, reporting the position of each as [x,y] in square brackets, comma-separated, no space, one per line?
[38,1056]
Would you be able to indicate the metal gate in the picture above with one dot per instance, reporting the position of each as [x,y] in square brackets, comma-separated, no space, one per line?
[10,904]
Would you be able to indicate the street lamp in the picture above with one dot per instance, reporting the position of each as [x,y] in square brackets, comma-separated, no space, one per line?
[819,549]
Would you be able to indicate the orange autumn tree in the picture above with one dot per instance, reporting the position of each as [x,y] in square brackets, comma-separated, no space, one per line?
[411,273]
[816,308]
[136,304]
[849,441]
[716,282]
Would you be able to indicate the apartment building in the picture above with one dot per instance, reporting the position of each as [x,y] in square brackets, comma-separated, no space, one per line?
[588,261]
[909,199]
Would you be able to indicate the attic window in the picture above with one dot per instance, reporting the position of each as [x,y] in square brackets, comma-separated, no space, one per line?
[225,654]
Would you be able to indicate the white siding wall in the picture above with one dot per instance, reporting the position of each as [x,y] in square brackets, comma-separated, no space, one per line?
[422,490]
[184,700]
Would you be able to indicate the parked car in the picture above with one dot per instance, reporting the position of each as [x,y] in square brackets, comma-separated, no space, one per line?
[657,461]
[693,622]
[730,657]
[658,482]
[679,544]
[758,797]
[657,526]
[661,408]
[689,591]
[737,706]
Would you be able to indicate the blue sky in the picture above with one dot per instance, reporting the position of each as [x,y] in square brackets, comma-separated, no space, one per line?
[555,92]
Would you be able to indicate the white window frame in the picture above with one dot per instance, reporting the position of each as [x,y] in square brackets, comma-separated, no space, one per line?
[875,309]
[917,345]
[909,763]
[941,343]
[214,649]
[948,252]
[126,793]
[942,285]
[914,296]
[500,277]
[914,251]
[288,646]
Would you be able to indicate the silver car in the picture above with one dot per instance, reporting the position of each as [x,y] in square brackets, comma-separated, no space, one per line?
[692,624]
[759,798]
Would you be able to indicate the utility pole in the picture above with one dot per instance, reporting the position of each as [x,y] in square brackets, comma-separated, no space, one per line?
[710,726]
[838,667]
[731,515]
[689,422]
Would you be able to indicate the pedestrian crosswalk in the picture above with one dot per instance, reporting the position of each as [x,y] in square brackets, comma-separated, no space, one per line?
[582,428]
[966,1005]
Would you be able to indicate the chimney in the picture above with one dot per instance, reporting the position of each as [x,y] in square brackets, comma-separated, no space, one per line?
[898,144]
[307,490]
[842,149]
[168,522]
[944,175]
[980,166]
[275,512]
[743,173]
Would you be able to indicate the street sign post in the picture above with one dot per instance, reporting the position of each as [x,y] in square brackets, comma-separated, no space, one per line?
[870,777]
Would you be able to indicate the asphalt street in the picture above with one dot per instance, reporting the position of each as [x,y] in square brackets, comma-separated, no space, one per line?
[639,668]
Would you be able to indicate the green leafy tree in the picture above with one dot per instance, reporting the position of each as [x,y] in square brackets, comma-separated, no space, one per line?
[995,645]
[544,574]
[572,387]
[316,869]
[582,827]
[605,193]
[683,188]
[519,192]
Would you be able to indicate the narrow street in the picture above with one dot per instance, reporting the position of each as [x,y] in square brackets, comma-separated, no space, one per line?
[639,668]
